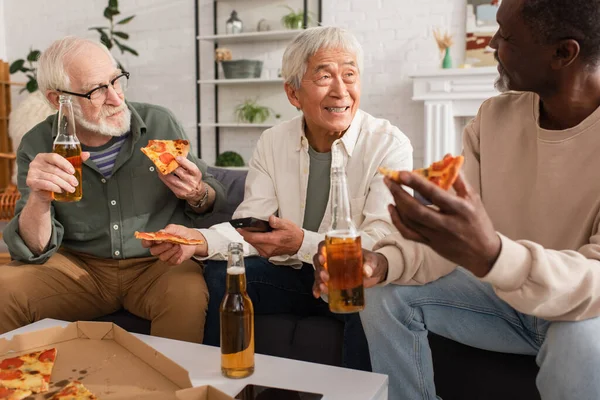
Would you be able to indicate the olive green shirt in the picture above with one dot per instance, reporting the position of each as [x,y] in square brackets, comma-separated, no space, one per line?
[104,221]
[317,192]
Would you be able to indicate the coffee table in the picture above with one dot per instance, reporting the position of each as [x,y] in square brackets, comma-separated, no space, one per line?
[204,365]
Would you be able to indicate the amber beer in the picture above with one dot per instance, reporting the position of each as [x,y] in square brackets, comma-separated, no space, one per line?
[237,320]
[343,246]
[345,267]
[67,145]
[72,152]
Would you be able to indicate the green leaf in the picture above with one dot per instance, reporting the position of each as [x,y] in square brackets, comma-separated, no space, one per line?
[125,48]
[113,4]
[125,20]
[105,40]
[22,90]
[109,13]
[32,86]
[16,66]
[33,55]
[122,35]
[97,28]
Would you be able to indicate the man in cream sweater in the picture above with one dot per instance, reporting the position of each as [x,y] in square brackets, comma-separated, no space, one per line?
[523,221]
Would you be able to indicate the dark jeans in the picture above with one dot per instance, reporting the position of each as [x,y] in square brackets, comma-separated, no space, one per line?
[282,290]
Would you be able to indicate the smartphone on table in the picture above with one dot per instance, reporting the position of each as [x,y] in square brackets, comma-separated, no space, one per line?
[258,392]
[251,224]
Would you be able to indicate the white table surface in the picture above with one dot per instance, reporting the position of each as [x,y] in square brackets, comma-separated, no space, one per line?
[204,365]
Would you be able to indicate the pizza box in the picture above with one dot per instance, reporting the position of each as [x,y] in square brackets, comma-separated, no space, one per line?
[112,363]
[206,392]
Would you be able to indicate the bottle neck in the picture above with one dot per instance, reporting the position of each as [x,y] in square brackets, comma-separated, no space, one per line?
[66,122]
[341,219]
[236,273]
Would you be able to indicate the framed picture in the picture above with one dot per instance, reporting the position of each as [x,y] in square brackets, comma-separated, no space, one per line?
[481,27]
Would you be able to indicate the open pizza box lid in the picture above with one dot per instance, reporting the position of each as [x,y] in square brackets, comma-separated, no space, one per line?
[109,361]
[206,392]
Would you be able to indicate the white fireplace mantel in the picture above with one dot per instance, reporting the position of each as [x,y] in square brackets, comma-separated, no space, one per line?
[449,94]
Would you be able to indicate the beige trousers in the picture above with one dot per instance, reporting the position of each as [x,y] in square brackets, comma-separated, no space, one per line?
[73,286]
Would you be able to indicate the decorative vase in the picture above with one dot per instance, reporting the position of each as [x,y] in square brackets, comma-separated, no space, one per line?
[234,24]
[447,62]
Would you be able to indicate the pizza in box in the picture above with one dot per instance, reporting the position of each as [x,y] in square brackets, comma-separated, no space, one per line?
[27,374]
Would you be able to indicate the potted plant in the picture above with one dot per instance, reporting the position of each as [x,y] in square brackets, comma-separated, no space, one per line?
[229,159]
[251,112]
[295,19]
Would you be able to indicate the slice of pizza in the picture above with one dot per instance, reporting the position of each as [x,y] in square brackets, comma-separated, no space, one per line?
[74,391]
[166,237]
[28,371]
[14,394]
[163,152]
[442,173]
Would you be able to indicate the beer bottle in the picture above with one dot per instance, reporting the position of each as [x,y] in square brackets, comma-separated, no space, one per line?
[343,246]
[67,145]
[237,320]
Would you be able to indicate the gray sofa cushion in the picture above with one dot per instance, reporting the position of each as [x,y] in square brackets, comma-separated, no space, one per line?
[234,181]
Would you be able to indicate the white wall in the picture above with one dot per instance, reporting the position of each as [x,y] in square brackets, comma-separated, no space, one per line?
[2,33]
[396,35]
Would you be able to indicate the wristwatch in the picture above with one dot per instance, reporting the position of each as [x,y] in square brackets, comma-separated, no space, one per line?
[202,200]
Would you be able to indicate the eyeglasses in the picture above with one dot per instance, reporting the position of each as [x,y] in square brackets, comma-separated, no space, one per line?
[97,96]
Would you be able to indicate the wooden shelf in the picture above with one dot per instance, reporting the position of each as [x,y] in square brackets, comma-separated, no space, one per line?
[239,81]
[233,125]
[251,36]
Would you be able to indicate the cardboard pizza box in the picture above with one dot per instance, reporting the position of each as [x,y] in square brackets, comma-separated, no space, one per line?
[112,363]
[206,392]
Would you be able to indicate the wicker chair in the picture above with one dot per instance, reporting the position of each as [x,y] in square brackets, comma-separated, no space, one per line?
[8,196]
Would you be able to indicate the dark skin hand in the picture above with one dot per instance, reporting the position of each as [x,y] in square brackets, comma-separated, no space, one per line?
[375,268]
[461,231]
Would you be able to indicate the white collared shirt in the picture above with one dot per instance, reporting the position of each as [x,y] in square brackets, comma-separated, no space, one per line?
[277,182]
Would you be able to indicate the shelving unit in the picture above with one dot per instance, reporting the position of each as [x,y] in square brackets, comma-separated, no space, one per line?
[217,93]
[239,81]
[234,125]
[250,37]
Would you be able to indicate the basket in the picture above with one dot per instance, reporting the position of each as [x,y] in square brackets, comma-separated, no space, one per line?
[8,202]
[242,69]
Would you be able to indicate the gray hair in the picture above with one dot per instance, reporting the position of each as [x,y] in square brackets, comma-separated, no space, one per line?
[310,41]
[53,63]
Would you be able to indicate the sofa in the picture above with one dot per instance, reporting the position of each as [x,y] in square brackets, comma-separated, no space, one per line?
[461,372]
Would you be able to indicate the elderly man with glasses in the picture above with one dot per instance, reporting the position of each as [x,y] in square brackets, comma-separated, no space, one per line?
[79,261]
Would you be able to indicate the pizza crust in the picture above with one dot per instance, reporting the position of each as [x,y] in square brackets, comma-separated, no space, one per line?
[161,236]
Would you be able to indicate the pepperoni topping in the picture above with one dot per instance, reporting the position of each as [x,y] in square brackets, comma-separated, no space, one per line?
[159,147]
[48,356]
[4,392]
[166,158]
[11,363]
[10,374]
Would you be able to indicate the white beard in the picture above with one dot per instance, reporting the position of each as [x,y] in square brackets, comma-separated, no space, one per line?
[102,127]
